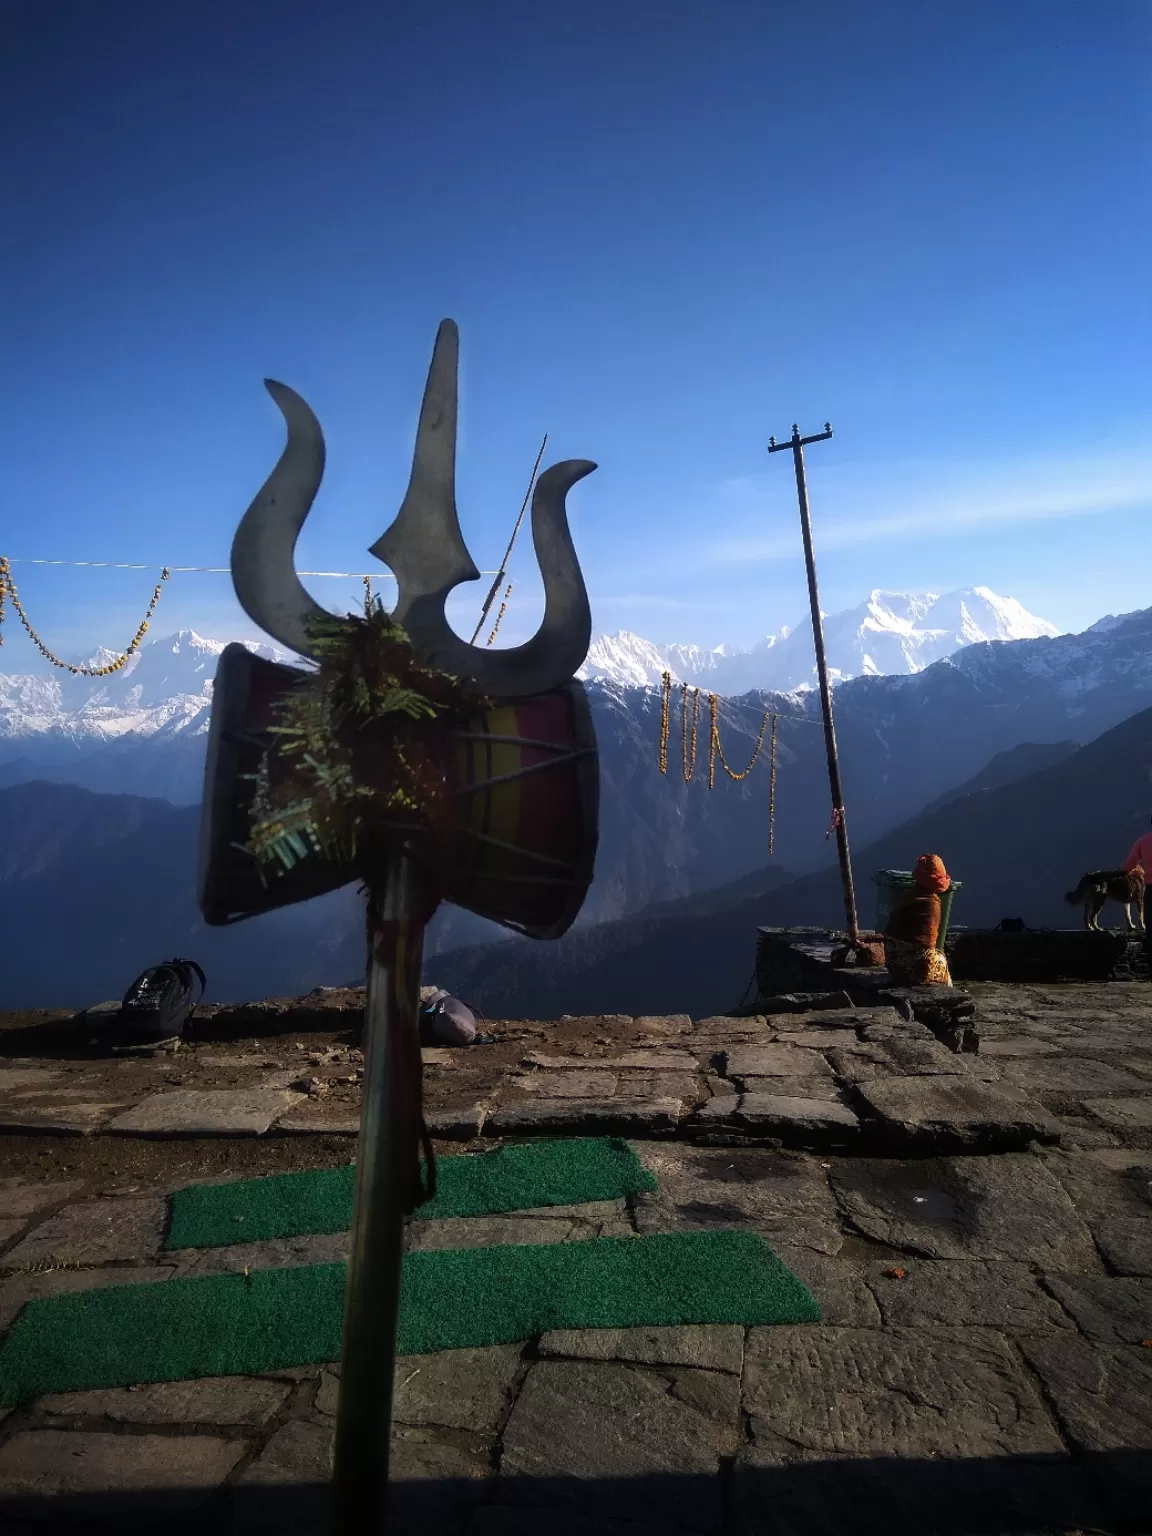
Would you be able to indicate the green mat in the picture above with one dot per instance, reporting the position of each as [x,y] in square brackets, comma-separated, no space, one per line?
[516,1178]
[226,1325]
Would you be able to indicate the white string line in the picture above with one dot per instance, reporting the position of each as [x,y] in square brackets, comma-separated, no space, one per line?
[211,570]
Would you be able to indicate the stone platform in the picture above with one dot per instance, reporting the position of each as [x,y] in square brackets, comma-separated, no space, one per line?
[984,1364]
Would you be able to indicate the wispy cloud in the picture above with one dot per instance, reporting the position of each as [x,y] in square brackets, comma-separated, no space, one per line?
[1043,491]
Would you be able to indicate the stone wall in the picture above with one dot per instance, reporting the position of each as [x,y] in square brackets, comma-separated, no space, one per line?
[1047,955]
[794,971]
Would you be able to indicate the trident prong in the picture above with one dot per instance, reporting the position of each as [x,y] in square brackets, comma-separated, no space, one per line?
[424,548]
[264,548]
[427,554]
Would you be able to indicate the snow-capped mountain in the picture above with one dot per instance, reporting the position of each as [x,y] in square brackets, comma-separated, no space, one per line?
[889,634]
[164,689]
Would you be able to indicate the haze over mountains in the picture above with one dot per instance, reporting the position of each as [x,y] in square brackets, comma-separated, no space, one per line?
[993,713]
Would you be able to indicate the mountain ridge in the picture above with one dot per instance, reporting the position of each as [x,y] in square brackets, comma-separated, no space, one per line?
[888,634]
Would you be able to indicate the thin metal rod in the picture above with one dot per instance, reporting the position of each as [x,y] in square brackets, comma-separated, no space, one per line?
[503,571]
[797,444]
[376,1253]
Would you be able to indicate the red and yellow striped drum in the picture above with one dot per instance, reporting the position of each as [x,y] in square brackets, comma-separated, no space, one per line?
[526,781]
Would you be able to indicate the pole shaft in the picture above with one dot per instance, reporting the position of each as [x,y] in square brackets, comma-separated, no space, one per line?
[376,1252]
[825,696]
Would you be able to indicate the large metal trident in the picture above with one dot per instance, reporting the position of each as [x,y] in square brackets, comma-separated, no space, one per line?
[428,556]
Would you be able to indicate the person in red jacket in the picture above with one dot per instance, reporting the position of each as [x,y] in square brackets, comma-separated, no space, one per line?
[1141,854]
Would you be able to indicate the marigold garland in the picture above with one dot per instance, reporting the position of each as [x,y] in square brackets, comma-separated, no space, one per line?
[689,742]
[8,590]
[500,615]
[665,707]
[688,763]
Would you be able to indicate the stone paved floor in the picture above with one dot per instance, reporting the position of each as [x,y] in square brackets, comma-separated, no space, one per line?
[984,1364]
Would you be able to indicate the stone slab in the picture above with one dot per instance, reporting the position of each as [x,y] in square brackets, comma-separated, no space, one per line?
[628,1061]
[205,1112]
[17,1290]
[662,1024]
[1126,1243]
[1021,1047]
[773,1061]
[273,1253]
[213,1400]
[709,1034]
[792,1087]
[713,1348]
[952,1113]
[104,1231]
[718,1110]
[1125,1114]
[541,1117]
[28,1079]
[19,1197]
[468,1389]
[951,1392]
[1100,1190]
[1104,1400]
[612,1440]
[487,1232]
[552,1084]
[298,1453]
[781,1114]
[53,1462]
[1072,1077]
[784,1196]
[965,1293]
[1107,1309]
[1007,1208]
[456,1122]
[310,1118]
[57,1119]
[870,1060]
[839,1286]
[815,1039]
[660,1085]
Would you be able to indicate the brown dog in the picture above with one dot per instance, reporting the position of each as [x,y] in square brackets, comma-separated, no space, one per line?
[1103,885]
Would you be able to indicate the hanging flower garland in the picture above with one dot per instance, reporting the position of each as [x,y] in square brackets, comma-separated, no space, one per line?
[689,740]
[8,590]
[665,708]
[688,763]
[500,615]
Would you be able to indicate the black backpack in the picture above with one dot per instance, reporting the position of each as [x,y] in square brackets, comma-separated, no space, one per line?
[159,1003]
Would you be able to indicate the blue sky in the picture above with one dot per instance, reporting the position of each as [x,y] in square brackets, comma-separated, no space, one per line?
[666,231]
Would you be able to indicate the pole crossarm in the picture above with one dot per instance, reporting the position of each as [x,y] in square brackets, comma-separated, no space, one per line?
[796,441]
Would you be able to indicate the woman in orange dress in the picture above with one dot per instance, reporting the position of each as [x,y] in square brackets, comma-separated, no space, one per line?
[912,933]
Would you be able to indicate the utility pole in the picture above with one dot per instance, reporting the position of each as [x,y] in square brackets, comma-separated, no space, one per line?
[797,445]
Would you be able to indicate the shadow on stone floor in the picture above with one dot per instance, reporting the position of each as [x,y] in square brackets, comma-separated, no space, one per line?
[1108,1493]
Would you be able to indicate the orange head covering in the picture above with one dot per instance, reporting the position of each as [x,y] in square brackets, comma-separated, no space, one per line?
[930,873]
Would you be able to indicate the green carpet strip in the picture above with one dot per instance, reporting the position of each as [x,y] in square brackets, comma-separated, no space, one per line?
[229,1325]
[515,1178]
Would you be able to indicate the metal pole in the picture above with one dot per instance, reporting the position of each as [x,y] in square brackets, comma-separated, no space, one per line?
[376,1253]
[797,444]
[503,571]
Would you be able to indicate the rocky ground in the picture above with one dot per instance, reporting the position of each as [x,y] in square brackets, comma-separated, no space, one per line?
[977,1230]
